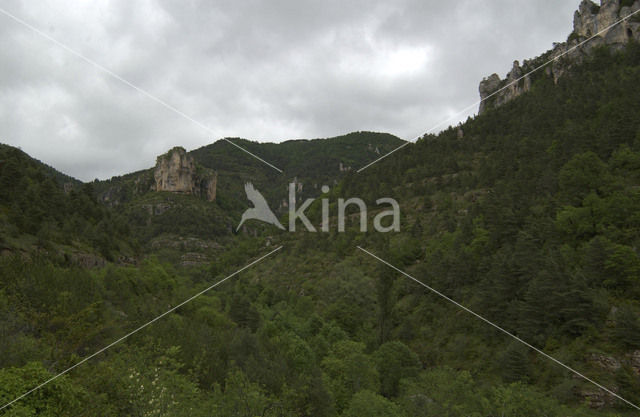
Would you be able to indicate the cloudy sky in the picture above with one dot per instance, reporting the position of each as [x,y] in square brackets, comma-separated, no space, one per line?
[262,70]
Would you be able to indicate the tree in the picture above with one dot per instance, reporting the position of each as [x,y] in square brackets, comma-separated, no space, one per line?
[367,403]
[627,330]
[518,400]
[515,363]
[583,174]
[241,398]
[349,370]
[394,361]
[442,392]
[61,397]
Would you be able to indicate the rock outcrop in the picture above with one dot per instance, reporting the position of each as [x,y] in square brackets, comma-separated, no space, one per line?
[177,172]
[634,361]
[85,260]
[597,398]
[512,90]
[174,172]
[589,20]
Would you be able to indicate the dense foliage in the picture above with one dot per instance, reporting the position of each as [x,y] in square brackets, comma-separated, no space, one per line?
[531,219]
[36,210]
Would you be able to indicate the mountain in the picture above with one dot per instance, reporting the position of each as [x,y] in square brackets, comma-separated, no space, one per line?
[163,217]
[45,212]
[312,162]
[10,157]
[593,27]
[526,214]
[152,211]
[308,163]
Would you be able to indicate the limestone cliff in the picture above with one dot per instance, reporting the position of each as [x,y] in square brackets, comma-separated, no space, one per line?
[589,20]
[176,172]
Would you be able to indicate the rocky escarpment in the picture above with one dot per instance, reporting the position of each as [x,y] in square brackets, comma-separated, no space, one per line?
[589,20]
[176,172]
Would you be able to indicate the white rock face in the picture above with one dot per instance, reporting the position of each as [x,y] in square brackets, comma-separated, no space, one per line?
[588,21]
[176,172]
[512,86]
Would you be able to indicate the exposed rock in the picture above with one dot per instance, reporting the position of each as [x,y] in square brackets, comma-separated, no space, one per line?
[193,259]
[594,397]
[156,209]
[606,362]
[212,186]
[109,197]
[597,398]
[512,86]
[86,260]
[117,194]
[176,172]
[344,168]
[589,20]
[127,260]
[371,148]
[487,87]
[183,243]
[634,361]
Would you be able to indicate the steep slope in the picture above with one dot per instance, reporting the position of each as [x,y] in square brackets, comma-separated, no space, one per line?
[595,24]
[308,163]
[45,211]
[220,170]
[530,218]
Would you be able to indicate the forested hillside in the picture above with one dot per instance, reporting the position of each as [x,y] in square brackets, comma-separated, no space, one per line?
[528,215]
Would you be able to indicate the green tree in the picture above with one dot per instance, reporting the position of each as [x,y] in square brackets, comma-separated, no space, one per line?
[242,398]
[394,361]
[367,403]
[583,174]
[515,363]
[518,400]
[349,370]
[61,397]
[442,392]
[627,328]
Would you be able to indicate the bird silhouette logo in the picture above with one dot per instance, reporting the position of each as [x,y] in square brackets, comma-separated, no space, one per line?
[260,210]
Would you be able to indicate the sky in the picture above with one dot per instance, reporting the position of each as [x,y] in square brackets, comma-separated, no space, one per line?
[263,70]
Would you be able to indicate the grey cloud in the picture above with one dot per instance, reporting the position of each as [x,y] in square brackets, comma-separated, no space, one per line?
[262,70]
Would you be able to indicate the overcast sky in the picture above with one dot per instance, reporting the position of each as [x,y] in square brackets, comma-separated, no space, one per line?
[263,70]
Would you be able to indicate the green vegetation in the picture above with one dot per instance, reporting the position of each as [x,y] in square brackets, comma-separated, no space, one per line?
[531,220]
[35,211]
